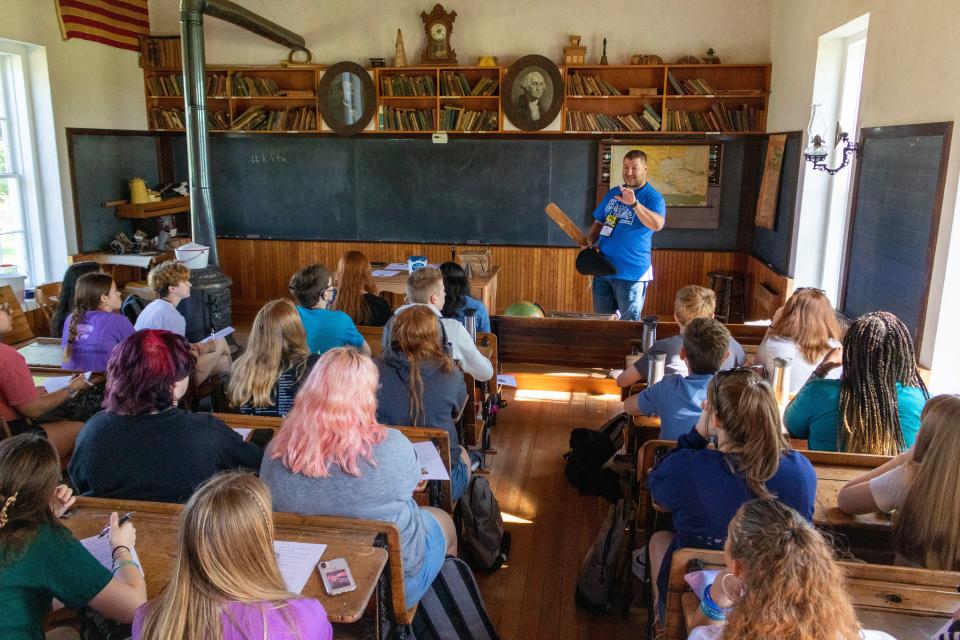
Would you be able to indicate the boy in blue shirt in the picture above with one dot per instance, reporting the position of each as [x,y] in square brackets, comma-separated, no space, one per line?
[313,289]
[677,399]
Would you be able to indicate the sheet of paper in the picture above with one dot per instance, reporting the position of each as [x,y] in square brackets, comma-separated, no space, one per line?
[397,266]
[758,323]
[244,433]
[431,464]
[100,549]
[297,560]
[223,333]
[385,273]
[506,380]
[55,383]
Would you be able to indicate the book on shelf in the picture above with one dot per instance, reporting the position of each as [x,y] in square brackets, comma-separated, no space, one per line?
[160,53]
[250,87]
[392,119]
[647,120]
[288,119]
[402,85]
[453,118]
[166,118]
[674,85]
[218,120]
[172,86]
[589,85]
[486,86]
[717,118]
[453,83]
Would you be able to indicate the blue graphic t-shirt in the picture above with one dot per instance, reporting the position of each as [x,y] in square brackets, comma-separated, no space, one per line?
[628,247]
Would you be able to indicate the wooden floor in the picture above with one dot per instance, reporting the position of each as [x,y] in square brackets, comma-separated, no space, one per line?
[552,525]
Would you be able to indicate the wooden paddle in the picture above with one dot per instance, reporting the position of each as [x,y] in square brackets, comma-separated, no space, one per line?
[566,224]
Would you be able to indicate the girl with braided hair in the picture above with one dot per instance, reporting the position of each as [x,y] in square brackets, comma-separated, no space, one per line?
[704,487]
[875,405]
[781,581]
[95,327]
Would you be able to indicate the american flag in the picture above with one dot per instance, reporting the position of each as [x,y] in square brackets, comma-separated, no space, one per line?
[117,23]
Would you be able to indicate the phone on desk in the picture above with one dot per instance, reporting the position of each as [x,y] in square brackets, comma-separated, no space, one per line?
[336,576]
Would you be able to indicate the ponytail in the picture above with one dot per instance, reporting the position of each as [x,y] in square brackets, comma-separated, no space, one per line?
[90,287]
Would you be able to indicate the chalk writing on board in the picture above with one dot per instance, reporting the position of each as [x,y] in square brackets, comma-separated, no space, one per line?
[267,157]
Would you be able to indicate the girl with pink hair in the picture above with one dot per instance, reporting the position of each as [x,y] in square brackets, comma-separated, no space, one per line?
[332,458]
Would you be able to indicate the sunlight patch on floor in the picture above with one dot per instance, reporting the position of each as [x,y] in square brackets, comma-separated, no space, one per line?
[534,395]
[508,517]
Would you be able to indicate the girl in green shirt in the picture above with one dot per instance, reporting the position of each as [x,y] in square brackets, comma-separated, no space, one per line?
[41,560]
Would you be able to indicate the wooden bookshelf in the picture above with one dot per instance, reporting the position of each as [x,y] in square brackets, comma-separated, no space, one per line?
[286,98]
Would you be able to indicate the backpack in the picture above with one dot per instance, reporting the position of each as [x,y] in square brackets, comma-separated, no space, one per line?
[604,563]
[482,536]
[132,306]
[590,449]
[452,608]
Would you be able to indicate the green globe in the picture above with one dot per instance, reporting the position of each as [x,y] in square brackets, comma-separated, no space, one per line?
[525,309]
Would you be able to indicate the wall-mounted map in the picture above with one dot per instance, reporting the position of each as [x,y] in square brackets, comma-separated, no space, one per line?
[678,171]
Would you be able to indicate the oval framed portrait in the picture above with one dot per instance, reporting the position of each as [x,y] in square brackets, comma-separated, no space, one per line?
[532,92]
[347,98]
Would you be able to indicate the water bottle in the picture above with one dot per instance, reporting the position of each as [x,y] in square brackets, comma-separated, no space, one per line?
[649,332]
[634,355]
[470,322]
[656,364]
[781,378]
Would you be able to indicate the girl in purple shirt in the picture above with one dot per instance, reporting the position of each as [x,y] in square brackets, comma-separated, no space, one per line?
[96,326]
[226,582]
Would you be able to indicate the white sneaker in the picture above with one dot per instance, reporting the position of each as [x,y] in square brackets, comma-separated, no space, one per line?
[639,563]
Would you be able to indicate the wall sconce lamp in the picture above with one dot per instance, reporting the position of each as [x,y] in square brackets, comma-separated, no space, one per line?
[817,151]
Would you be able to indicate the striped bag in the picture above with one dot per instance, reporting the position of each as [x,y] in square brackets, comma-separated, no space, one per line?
[452,608]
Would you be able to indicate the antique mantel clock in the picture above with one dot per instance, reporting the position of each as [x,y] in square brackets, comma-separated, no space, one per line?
[438,25]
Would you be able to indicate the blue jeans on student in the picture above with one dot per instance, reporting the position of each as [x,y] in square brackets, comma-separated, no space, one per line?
[434,553]
[610,294]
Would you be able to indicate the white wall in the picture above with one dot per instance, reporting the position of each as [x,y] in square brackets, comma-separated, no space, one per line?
[344,30]
[910,76]
[91,85]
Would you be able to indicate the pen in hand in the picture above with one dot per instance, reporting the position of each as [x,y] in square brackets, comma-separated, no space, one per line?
[125,517]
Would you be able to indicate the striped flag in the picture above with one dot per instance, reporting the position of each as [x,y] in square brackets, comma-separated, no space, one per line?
[117,23]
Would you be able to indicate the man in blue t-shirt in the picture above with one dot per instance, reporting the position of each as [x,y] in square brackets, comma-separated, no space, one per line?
[623,225]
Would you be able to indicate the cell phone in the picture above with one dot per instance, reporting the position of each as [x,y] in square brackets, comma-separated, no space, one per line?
[336,576]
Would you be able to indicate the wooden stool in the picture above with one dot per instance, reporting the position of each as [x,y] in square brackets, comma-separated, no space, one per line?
[730,287]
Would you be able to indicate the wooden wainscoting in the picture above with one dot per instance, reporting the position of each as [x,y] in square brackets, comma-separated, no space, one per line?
[261,268]
[767,290]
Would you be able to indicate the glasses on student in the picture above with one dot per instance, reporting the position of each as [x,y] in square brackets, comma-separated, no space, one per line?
[817,289]
[756,369]
[333,294]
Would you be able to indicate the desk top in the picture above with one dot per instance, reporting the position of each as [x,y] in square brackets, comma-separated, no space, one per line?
[43,354]
[477,280]
[157,526]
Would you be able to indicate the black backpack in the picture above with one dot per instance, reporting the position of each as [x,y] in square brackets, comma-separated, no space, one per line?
[483,541]
[452,608]
[132,307]
[590,449]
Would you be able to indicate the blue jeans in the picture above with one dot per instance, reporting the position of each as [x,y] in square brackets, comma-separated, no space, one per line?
[610,294]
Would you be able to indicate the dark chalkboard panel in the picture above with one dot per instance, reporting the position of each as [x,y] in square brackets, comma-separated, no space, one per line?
[775,246]
[101,165]
[898,195]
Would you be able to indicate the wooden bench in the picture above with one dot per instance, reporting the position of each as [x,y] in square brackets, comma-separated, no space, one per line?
[904,602]
[439,493]
[572,342]
[870,536]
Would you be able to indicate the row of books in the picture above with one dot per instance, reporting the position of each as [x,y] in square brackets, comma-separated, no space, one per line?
[404,85]
[456,84]
[250,87]
[691,86]
[586,85]
[171,118]
[160,53]
[390,119]
[461,119]
[289,119]
[719,118]
[647,120]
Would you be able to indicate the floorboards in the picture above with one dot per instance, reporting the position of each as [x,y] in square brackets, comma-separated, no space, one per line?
[552,525]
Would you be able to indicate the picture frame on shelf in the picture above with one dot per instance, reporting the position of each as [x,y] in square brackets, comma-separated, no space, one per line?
[532,93]
[346,98]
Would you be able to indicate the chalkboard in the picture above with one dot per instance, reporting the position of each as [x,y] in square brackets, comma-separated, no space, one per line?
[775,246]
[894,222]
[100,167]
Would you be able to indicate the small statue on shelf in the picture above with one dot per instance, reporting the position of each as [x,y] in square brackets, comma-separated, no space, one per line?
[711,57]
[603,58]
[400,54]
[688,59]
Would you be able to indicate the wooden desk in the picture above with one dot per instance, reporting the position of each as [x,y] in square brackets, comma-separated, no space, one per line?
[483,288]
[157,525]
[43,356]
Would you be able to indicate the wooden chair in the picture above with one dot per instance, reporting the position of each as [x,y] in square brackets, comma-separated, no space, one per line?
[374,338]
[439,495]
[4,429]
[48,297]
[905,602]
[21,331]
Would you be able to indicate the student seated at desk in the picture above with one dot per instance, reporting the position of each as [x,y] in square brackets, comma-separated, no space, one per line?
[457,299]
[420,386]
[24,406]
[691,302]
[923,486]
[805,329]
[315,293]
[357,292]
[96,325]
[781,581]
[40,558]
[332,458]
[425,287]
[703,488]
[875,405]
[142,447]
[171,282]
[678,399]
[68,292]
[268,375]
[226,582]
